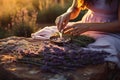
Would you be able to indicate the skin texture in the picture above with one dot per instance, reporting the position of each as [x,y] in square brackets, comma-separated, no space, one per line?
[72,13]
[77,28]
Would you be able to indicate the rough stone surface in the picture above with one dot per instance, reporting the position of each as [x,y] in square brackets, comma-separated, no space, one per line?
[9,70]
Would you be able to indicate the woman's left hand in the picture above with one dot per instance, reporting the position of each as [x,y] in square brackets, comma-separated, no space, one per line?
[76,28]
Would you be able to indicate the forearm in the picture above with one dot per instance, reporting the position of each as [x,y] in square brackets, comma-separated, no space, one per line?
[74,10]
[107,27]
[113,27]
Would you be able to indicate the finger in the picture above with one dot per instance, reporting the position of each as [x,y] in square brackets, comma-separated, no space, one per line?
[77,32]
[61,24]
[65,23]
[58,20]
[73,31]
[68,31]
[68,28]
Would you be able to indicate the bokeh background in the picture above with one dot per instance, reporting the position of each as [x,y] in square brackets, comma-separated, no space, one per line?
[23,17]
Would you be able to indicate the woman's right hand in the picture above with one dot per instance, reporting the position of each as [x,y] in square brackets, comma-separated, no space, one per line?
[62,21]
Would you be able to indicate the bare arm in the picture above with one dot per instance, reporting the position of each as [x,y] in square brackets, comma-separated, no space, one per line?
[74,10]
[72,13]
[106,27]
[78,27]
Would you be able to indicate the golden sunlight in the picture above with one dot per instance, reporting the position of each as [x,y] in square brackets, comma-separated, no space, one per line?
[11,6]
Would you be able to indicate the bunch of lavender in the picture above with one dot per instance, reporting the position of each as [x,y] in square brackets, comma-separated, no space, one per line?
[58,59]
[82,40]
[78,41]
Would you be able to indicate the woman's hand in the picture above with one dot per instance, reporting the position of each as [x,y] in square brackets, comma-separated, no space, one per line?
[76,28]
[62,21]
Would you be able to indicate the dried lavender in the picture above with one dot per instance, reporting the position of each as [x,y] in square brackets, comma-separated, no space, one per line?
[56,59]
[64,60]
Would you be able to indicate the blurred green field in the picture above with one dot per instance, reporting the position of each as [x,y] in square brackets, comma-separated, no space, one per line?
[23,17]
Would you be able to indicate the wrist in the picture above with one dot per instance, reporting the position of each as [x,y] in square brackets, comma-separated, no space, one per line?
[85,26]
[70,10]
